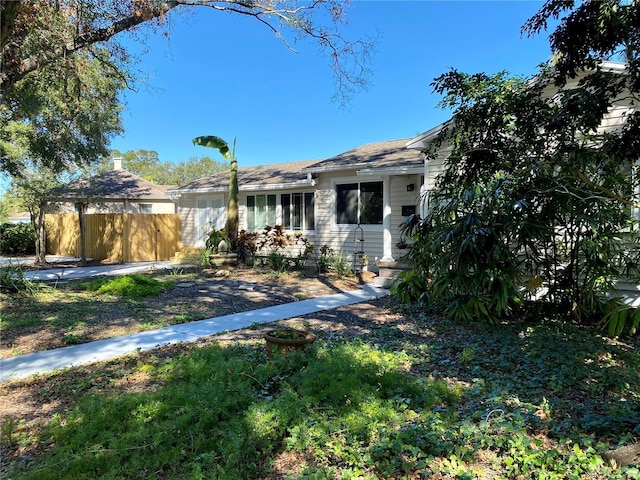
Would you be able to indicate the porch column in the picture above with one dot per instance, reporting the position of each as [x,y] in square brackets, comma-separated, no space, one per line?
[387,242]
[424,188]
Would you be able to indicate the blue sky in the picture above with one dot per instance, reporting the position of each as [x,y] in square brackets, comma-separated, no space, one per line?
[226,75]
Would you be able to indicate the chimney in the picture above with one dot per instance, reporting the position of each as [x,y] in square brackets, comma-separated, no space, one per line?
[117,163]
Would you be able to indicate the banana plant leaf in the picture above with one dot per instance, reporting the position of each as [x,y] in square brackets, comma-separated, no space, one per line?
[213,142]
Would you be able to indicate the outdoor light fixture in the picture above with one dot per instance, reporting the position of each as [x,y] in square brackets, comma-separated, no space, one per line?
[410,187]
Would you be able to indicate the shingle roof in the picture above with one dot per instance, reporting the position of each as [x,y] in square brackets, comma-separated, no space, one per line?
[391,154]
[115,184]
[388,154]
[255,176]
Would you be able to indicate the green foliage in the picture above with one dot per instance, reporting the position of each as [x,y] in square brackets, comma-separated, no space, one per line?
[327,259]
[128,286]
[61,116]
[231,226]
[219,414]
[618,317]
[213,239]
[513,217]
[147,164]
[13,280]
[324,258]
[274,247]
[17,239]
[527,400]
[341,264]
[411,286]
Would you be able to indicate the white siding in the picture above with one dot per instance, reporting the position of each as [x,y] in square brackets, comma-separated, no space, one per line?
[187,212]
[118,206]
[341,237]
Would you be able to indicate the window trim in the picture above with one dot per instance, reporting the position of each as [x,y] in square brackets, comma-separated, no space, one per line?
[348,227]
[145,206]
[279,210]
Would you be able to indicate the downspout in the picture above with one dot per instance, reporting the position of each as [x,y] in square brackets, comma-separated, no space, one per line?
[387,241]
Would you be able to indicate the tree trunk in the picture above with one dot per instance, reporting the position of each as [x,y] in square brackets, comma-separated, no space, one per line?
[37,216]
[83,233]
[232,208]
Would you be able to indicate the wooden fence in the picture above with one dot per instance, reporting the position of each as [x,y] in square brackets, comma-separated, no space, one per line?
[118,237]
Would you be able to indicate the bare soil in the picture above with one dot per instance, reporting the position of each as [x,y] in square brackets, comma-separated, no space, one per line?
[29,404]
[78,316]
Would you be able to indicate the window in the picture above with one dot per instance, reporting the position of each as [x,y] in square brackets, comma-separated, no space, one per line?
[261,211]
[359,203]
[146,208]
[298,211]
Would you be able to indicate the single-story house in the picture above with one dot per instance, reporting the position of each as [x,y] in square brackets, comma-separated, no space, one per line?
[115,216]
[19,217]
[374,187]
[115,191]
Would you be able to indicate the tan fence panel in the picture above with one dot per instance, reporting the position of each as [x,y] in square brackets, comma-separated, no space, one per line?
[63,234]
[116,237]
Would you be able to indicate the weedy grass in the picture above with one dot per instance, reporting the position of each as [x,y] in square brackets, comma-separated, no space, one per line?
[13,280]
[450,400]
[128,286]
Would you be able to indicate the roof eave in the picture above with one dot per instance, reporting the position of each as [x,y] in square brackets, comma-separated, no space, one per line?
[404,170]
[334,169]
[250,187]
[421,141]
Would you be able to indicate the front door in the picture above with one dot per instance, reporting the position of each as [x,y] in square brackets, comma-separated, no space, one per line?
[210,212]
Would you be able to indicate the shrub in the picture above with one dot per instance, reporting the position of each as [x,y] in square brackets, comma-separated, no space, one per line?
[324,258]
[279,248]
[342,264]
[17,239]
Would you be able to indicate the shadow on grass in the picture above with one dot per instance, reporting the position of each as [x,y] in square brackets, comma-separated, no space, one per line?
[227,412]
[446,399]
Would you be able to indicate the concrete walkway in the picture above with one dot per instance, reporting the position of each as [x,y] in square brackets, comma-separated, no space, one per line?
[51,360]
[67,273]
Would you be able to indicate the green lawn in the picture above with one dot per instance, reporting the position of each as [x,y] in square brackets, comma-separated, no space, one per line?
[437,400]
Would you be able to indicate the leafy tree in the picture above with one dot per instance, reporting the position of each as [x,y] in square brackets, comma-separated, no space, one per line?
[533,196]
[193,169]
[589,32]
[9,204]
[55,39]
[62,117]
[33,188]
[146,164]
[534,193]
[37,34]
[231,227]
[59,120]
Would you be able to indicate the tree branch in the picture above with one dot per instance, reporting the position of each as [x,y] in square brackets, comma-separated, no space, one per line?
[267,12]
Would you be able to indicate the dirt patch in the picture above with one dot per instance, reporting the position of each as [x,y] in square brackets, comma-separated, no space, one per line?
[29,404]
[68,315]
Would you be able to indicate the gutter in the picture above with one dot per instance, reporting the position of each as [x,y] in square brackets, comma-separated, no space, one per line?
[309,182]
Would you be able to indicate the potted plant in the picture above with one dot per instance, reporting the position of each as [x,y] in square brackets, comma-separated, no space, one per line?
[286,340]
[219,247]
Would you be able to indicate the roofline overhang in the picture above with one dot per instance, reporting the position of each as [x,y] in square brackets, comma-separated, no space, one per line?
[106,199]
[405,170]
[421,140]
[333,169]
[177,193]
